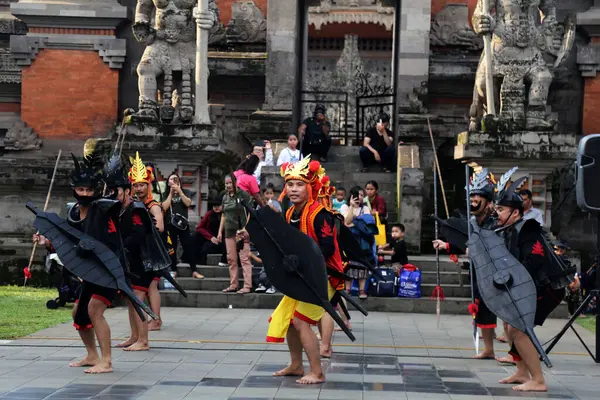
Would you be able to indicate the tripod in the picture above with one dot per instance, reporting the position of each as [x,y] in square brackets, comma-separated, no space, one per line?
[593,293]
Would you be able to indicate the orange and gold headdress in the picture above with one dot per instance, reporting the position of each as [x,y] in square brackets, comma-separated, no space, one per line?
[310,172]
[326,193]
[139,173]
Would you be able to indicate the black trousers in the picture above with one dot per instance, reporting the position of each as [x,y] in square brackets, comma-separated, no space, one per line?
[205,247]
[317,150]
[186,243]
[388,158]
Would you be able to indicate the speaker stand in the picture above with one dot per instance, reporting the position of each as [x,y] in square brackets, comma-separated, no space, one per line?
[593,293]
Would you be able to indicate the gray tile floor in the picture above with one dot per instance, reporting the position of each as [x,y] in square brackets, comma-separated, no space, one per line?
[221,354]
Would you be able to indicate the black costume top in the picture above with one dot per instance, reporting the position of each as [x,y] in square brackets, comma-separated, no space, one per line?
[133,232]
[101,223]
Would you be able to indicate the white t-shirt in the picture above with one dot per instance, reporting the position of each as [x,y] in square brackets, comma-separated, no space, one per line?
[268,162]
[289,155]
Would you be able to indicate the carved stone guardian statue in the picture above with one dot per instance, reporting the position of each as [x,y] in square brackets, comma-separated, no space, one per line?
[522,32]
[170,47]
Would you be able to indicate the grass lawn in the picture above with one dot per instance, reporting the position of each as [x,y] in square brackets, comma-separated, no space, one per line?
[25,312]
[588,323]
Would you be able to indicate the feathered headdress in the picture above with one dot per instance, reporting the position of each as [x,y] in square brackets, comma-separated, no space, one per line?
[507,195]
[483,184]
[88,172]
[115,174]
[307,171]
[139,173]
[326,193]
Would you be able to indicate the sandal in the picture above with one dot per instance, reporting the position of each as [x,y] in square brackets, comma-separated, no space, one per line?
[243,291]
[230,290]
[362,295]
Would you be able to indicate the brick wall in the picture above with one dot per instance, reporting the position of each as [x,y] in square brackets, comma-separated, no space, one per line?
[591,103]
[69,94]
[225,9]
[10,107]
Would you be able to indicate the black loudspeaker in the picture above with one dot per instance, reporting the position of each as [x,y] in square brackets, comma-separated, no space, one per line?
[588,173]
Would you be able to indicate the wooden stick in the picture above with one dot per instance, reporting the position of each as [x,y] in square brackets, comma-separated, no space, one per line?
[489,73]
[439,172]
[45,207]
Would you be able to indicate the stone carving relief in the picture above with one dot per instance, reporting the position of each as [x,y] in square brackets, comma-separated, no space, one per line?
[247,25]
[520,40]
[10,72]
[351,11]
[21,137]
[217,32]
[450,27]
[12,26]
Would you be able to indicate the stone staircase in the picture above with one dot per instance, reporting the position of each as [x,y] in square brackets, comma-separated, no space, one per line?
[207,292]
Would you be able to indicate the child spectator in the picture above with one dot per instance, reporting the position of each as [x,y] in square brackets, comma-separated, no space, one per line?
[340,199]
[396,248]
[269,195]
[291,153]
[262,281]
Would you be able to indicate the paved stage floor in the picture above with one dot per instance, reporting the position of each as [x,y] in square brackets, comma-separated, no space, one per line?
[221,354]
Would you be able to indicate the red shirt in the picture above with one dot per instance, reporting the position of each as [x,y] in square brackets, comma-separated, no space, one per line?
[246,182]
[378,204]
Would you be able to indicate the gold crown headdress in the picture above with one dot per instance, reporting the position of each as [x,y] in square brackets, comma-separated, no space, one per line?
[305,170]
[139,173]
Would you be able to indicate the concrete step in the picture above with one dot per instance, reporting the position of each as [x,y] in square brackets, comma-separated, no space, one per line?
[216,284]
[428,277]
[213,299]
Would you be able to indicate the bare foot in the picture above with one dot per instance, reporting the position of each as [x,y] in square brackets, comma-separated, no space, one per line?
[531,386]
[290,371]
[100,368]
[311,378]
[155,325]
[506,360]
[516,378]
[485,355]
[86,362]
[138,346]
[502,339]
[126,343]
[326,351]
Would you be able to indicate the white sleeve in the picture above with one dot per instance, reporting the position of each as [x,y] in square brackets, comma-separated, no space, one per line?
[540,218]
[284,156]
[258,171]
[269,157]
[344,209]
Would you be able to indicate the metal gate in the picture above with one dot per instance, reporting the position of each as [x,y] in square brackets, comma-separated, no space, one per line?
[371,101]
[336,111]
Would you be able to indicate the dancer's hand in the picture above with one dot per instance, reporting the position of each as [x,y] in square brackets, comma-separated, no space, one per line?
[439,244]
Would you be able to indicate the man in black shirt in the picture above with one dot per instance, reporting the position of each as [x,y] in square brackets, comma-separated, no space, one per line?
[378,146]
[315,135]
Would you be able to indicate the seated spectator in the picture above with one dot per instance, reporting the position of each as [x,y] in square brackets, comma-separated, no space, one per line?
[291,153]
[265,157]
[357,216]
[530,212]
[378,146]
[246,180]
[207,232]
[396,248]
[375,201]
[261,281]
[314,132]
[269,194]
[340,199]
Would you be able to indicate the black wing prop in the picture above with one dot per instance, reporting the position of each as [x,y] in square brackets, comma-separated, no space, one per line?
[504,284]
[293,261]
[86,257]
[455,231]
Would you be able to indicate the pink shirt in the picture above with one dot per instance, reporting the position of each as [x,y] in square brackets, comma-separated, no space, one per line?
[246,182]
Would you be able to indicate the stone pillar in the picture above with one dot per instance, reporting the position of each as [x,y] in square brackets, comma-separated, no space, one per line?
[588,59]
[413,55]
[60,98]
[410,200]
[282,54]
[202,116]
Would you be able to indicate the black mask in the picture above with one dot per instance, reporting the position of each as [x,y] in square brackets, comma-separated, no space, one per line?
[476,207]
[85,200]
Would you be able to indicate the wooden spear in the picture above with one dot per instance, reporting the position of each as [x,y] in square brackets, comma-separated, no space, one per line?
[27,269]
[437,167]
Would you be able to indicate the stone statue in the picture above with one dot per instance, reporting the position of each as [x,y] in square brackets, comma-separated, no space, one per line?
[522,32]
[171,46]
[21,137]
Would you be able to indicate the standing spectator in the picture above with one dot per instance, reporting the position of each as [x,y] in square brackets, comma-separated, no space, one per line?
[206,235]
[530,212]
[291,153]
[314,132]
[357,216]
[378,146]
[246,180]
[376,202]
[233,220]
[176,207]
[264,152]
[340,199]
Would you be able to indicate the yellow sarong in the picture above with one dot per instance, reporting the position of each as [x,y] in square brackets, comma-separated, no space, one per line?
[289,308]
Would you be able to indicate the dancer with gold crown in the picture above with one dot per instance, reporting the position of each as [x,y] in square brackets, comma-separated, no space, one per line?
[141,178]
